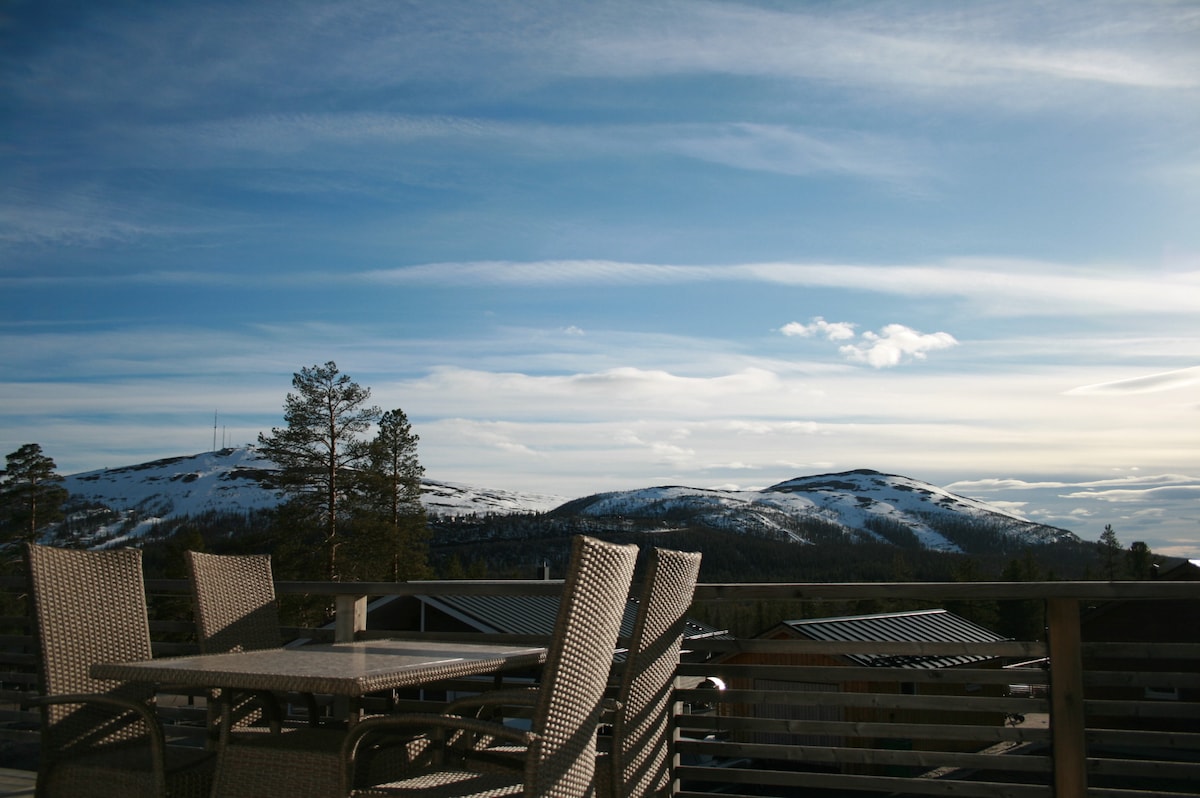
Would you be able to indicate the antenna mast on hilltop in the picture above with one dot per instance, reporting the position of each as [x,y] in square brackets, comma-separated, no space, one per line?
[214,448]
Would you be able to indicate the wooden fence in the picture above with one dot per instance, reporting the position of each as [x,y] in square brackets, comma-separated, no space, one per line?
[1063,715]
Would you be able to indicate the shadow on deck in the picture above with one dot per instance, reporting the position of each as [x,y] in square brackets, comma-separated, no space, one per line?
[17,783]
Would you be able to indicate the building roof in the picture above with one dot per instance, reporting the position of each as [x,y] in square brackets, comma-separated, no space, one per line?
[932,626]
[527,615]
[531,615]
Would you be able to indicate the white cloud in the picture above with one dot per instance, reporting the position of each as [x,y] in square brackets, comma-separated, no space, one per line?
[1006,287]
[988,286]
[1151,383]
[992,286]
[895,344]
[733,466]
[1149,480]
[795,151]
[1172,492]
[834,331]
[981,50]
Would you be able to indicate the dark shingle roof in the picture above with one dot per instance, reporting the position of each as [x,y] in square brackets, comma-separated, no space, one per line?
[530,615]
[933,626]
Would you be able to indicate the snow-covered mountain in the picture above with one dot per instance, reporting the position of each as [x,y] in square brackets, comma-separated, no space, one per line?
[857,505]
[861,504]
[231,480]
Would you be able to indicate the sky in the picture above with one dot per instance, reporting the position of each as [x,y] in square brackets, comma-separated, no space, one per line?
[612,245]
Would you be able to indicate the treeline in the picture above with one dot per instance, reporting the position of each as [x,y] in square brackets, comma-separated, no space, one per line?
[519,546]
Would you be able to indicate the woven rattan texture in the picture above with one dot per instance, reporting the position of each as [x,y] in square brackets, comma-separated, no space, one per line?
[89,607]
[640,759]
[561,758]
[296,763]
[234,600]
[125,774]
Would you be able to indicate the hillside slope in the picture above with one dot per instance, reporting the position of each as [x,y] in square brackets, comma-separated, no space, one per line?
[231,480]
[859,505]
[862,504]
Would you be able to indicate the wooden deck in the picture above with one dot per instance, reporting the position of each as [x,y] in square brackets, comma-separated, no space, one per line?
[17,783]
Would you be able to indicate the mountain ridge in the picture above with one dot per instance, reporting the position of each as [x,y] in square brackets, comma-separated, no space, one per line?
[858,505]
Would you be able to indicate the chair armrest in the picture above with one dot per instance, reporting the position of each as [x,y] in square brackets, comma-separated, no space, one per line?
[119,705]
[439,725]
[491,699]
[146,711]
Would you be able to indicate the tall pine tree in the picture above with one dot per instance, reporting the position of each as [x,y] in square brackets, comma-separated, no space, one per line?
[320,451]
[1110,551]
[31,494]
[393,519]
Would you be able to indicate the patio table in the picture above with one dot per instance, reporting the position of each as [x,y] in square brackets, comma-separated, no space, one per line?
[351,670]
[347,670]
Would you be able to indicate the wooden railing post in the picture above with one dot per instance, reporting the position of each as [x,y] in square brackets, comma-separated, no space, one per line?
[1066,698]
[350,618]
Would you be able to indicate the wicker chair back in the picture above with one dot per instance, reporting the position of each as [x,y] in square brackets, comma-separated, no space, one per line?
[562,761]
[234,597]
[89,607]
[100,738]
[640,762]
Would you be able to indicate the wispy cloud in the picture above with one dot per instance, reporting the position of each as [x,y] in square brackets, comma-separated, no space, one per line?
[342,139]
[1018,53]
[1121,482]
[1186,492]
[1151,383]
[995,286]
[1000,288]
[1005,286]
[543,273]
[795,151]
[983,45]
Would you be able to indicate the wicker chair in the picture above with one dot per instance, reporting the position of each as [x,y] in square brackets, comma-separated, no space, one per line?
[561,743]
[639,762]
[100,738]
[234,599]
[634,761]
[235,609]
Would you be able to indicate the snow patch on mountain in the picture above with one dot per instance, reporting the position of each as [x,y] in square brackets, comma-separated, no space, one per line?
[228,480]
[232,481]
[854,501]
[116,505]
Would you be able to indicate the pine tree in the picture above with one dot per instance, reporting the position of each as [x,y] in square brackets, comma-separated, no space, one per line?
[1021,620]
[1140,560]
[31,494]
[1110,551]
[320,450]
[393,517]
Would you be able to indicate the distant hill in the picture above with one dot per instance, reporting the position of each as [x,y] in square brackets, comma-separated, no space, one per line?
[128,502]
[854,505]
[121,504]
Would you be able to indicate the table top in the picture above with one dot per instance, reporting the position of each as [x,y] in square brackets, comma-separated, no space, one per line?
[343,669]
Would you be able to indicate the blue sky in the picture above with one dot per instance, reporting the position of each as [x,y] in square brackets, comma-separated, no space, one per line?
[600,246]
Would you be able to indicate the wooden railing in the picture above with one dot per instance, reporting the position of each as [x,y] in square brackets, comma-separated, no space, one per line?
[1094,713]
[1089,719]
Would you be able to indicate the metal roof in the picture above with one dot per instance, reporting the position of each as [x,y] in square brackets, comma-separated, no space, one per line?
[933,626]
[532,615]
